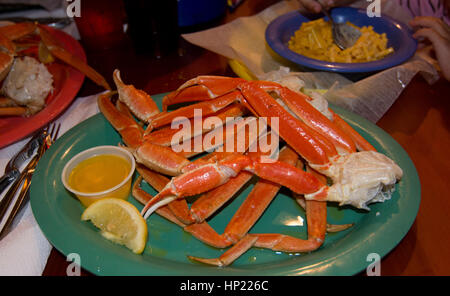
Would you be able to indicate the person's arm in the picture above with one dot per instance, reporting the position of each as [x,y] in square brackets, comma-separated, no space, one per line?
[438,33]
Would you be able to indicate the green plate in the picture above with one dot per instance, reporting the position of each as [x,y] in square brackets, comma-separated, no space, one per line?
[346,253]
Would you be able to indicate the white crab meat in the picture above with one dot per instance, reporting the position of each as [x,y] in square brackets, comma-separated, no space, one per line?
[361,178]
[28,83]
[294,83]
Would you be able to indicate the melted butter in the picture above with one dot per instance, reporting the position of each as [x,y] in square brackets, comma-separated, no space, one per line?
[99,173]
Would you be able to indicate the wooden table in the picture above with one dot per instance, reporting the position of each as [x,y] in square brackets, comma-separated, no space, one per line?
[419,120]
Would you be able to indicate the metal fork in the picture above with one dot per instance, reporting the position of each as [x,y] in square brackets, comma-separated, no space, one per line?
[12,169]
[25,178]
[344,35]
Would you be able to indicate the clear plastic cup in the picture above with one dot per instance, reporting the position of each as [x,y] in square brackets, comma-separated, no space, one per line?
[121,190]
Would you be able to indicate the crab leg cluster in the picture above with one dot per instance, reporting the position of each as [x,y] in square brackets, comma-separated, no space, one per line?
[329,147]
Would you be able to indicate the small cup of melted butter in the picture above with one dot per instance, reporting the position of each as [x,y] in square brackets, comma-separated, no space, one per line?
[99,172]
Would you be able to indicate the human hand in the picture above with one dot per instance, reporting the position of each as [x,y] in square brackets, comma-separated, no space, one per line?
[438,33]
[313,6]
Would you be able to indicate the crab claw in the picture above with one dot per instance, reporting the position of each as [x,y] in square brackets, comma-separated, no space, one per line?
[58,51]
[139,102]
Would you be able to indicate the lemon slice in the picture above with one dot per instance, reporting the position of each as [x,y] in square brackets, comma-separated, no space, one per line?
[119,221]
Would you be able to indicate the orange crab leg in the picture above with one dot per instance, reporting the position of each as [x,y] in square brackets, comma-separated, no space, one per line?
[308,143]
[206,108]
[205,233]
[139,102]
[130,131]
[201,88]
[256,202]
[143,197]
[230,255]
[13,111]
[58,51]
[193,93]
[299,105]
[164,135]
[159,158]
[177,208]
[16,31]
[211,201]
[360,142]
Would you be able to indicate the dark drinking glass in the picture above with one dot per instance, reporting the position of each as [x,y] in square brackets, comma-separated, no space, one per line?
[101,23]
[153,25]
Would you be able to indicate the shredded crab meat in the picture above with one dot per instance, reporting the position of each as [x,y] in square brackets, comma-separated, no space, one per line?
[28,83]
[361,178]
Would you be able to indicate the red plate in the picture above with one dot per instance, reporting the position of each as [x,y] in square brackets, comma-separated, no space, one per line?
[67,82]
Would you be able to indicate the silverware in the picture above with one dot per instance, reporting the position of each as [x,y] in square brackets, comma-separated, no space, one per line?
[10,194]
[12,167]
[24,181]
[344,35]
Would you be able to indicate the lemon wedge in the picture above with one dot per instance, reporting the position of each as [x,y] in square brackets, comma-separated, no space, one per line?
[119,221]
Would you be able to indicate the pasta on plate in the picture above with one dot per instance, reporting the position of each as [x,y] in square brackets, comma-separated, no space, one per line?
[314,40]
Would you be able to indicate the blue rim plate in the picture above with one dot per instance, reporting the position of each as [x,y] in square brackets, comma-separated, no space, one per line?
[280,30]
[58,214]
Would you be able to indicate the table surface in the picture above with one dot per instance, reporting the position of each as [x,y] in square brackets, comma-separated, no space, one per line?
[419,120]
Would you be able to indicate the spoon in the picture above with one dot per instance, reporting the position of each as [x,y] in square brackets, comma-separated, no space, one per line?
[344,35]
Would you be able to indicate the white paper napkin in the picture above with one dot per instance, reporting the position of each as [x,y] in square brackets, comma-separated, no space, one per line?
[25,250]
[244,40]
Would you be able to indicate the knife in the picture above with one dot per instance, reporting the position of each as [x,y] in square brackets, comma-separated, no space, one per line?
[12,168]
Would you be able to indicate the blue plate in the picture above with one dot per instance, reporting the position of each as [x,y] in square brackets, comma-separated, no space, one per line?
[280,30]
